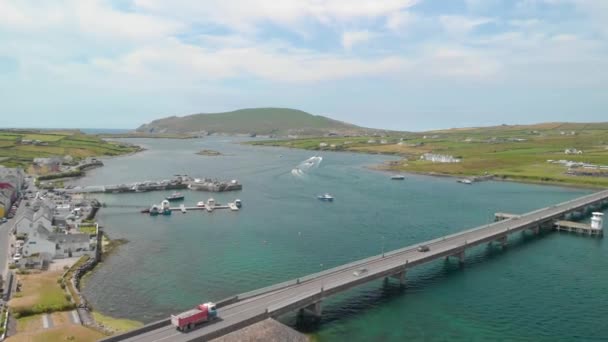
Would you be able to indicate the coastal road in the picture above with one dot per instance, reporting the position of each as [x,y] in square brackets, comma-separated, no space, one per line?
[314,288]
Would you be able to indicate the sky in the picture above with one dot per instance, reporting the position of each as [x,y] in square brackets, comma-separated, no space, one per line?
[396,64]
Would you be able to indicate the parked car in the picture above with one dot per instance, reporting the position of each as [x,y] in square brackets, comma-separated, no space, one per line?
[16,257]
[423,248]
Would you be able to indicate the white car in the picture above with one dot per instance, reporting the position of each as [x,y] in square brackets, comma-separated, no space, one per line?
[360,272]
[16,257]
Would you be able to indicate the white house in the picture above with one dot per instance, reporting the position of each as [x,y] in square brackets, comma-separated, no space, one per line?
[24,223]
[30,220]
[58,245]
[73,245]
[439,158]
[37,243]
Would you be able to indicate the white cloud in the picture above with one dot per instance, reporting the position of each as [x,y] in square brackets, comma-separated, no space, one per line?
[199,64]
[457,25]
[352,38]
[399,20]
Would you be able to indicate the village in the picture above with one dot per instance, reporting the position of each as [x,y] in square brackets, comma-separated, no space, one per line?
[49,240]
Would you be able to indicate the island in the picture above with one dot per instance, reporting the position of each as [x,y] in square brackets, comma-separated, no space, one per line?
[210,153]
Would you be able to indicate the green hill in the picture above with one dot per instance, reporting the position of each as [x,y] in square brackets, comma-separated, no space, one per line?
[259,121]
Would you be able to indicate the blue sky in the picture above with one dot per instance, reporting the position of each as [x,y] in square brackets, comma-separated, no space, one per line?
[399,64]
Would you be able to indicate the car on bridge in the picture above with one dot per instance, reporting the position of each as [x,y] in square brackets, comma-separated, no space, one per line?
[423,248]
[186,321]
[360,271]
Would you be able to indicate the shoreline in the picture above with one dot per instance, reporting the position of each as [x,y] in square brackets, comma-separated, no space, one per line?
[386,168]
[105,323]
[494,178]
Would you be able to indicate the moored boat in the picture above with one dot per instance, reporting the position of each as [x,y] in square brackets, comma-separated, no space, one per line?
[176,196]
[398,177]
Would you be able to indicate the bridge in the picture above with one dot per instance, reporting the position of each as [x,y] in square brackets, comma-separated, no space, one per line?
[308,292]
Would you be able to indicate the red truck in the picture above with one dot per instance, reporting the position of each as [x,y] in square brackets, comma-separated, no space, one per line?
[185,321]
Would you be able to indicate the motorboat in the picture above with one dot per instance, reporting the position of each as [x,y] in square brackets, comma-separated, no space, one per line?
[398,177]
[326,197]
[238,203]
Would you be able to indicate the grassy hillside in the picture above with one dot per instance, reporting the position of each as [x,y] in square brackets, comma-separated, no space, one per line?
[513,152]
[262,121]
[15,153]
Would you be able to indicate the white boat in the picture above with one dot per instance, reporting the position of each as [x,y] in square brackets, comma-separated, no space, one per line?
[233,206]
[238,203]
[326,197]
[398,177]
[465,181]
[200,204]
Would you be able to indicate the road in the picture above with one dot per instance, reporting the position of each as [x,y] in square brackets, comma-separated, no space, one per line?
[315,287]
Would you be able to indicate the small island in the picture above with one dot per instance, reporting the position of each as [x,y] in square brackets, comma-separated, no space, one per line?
[211,153]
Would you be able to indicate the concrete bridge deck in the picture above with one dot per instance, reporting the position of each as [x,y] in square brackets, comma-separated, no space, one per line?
[307,292]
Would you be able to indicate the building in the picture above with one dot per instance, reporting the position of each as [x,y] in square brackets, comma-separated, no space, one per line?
[439,158]
[572,151]
[53,164]
[30,221]
[11,185]
[48,245]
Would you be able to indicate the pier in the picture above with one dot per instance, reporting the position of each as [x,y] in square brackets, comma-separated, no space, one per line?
[179,182]
[308,292]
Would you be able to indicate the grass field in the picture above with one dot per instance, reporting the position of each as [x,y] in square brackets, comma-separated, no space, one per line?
[13,153]
[116,324]
[510,152]
[30,329]
[40,292]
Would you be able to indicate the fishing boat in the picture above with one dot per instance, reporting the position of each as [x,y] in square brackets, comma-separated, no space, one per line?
[238,203]
[398,177]
[176,196]
[154,210]
[326,197]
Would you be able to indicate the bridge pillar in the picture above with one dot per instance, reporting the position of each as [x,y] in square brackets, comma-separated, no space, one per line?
[459,255]
[314,309]
[502,240]
[400,276]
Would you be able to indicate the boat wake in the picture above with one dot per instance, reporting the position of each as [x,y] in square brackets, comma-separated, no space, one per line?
[306,166]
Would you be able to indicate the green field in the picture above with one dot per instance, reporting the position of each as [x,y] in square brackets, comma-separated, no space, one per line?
[509,152]
[15,153]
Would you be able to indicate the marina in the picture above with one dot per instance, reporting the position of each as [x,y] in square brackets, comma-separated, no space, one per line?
[165,209]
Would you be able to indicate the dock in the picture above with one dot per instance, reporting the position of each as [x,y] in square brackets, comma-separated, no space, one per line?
[577,227]
[206,207]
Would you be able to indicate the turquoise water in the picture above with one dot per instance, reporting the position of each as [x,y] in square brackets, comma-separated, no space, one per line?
[549,288]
